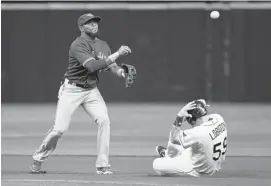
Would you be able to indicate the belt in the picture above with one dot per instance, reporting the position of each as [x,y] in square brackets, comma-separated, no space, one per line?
[78,85]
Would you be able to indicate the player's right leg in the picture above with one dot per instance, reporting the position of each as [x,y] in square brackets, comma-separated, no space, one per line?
[176,166]
[95,106]
[69,100]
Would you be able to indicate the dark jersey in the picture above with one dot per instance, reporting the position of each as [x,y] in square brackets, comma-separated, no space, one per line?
[81,50]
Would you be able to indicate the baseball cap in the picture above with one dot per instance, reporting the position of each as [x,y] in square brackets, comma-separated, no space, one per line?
[86,17]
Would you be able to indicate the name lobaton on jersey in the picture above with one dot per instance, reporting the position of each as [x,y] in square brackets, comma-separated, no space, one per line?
[218,130]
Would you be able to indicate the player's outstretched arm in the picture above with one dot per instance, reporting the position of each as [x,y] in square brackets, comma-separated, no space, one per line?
[80,51]
[94,65]
[123,51]
[114,68]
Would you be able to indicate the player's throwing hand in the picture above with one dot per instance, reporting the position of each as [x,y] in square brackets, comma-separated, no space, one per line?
[124,50]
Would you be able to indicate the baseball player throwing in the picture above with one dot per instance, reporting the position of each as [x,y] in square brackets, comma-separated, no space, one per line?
[198,151]
[88,55]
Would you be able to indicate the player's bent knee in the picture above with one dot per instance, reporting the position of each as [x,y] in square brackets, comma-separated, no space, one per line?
[157,166]
[51,140]
[103,121]
[154,164]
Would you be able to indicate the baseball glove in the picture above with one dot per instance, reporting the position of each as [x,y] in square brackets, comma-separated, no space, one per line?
[130,74]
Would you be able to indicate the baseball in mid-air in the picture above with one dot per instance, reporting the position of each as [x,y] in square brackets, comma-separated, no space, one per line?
[214,14]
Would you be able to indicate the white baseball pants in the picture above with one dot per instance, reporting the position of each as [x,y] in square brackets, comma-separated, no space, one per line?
[177,162]
[70,97]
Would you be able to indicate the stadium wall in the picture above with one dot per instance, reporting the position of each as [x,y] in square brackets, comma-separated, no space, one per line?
[179,54]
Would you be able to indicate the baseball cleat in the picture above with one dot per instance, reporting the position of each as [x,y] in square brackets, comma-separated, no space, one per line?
[104,170]
[160,150]
[36,168]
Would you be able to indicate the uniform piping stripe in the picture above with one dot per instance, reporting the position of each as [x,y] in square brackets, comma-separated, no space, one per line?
[87,60]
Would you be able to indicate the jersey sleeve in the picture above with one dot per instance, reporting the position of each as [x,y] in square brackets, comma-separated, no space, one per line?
[189,137]
[109,50]
[81,52]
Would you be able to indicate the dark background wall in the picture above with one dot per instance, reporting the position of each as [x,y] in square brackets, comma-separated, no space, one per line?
[169,52]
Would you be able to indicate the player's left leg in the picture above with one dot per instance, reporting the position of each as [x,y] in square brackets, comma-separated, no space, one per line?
[95,106]
[70,97]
